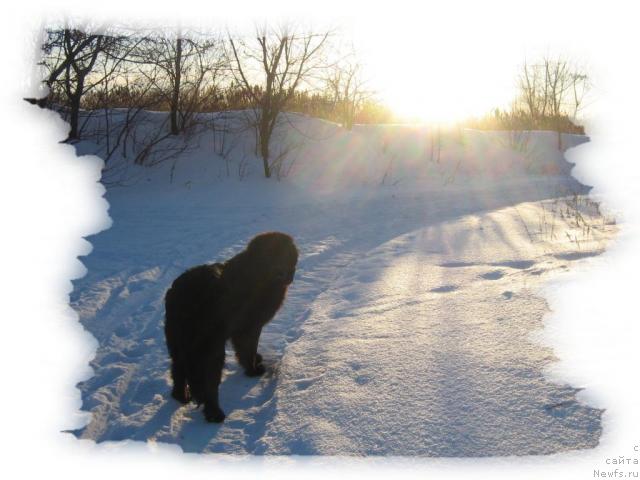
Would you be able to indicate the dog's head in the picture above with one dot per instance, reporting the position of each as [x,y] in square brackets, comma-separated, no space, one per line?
[276,256]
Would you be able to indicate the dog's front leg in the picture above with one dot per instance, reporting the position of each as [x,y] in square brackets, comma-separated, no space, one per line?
[245,343]
[214,363]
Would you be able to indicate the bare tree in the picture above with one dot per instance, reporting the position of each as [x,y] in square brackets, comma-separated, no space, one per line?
[124,97]
[532,86]
[57,58]
[552,91]
[346,90]
[70,57]
[269,72]
[183,68]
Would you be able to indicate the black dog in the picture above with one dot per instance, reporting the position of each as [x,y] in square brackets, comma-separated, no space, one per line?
[209,304]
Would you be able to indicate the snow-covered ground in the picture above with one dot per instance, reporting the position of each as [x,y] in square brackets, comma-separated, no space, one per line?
[410,328]
[422,348]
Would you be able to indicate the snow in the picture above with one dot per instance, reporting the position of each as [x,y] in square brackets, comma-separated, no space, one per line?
[421,348]
[411,326]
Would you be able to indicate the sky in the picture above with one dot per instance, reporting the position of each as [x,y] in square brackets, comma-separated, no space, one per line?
[447,63]
[425,71]
[444,61]
[438,63]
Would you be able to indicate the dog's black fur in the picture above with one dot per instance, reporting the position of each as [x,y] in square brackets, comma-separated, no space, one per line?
[209,304]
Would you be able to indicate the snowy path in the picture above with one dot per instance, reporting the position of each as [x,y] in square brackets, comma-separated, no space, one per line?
[422,348]
[154,238]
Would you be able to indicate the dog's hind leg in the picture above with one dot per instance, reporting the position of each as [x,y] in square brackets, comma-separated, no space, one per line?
[214,362]
[180,390]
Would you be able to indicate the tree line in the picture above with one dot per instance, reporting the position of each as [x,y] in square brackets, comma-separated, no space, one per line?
[278,69]
[184,73]
[551,94]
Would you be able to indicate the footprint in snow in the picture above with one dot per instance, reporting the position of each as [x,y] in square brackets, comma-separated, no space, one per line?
[577,255]
[355,366]
[304,383]
[457,264]
[518,264]
[362,379]
[444,289]
[493,275]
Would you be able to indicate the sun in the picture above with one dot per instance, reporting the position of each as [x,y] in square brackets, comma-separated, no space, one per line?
[430,107]
[436,74]
[442,98]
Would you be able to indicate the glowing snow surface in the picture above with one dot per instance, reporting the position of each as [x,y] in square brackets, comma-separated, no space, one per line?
[422,348]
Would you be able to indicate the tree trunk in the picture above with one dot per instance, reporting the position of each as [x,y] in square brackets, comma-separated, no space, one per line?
[74,114]
[264,132]
[559,130]
[73,120]
[559,139]
[264,153]
[175,98]
[173,115]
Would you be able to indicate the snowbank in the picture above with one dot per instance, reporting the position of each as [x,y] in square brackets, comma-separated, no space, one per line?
[320,156]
